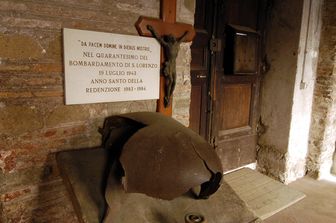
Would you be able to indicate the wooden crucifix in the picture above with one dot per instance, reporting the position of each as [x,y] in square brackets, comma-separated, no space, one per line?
[160,28]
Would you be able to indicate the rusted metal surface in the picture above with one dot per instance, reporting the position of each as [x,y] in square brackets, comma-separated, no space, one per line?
[160,157]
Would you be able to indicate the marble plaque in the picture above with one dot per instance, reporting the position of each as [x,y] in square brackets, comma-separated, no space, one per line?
[107,67]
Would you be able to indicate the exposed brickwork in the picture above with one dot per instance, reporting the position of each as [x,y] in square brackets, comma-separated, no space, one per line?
[323,134]
[34,122]
[271,162]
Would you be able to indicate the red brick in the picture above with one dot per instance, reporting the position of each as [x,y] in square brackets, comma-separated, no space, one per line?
[46,68]
[16,120]
[19,47]
[9,5]
[14,81]
[14,68]
[67,114]
[11,196]
[50,93]
[50,133]
[7,160]
[33,149]
[30,23]
[31,94]
[46,202]
[8,94]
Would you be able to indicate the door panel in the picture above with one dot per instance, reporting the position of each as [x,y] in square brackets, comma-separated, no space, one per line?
[235,106]
[200,66]
[245,49]
[199,59]
[241,12]
[195,112]
[237,151]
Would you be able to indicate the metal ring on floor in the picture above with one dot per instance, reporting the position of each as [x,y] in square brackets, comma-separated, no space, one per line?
[194,218]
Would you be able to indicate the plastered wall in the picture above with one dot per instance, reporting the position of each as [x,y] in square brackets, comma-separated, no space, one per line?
[283,35]
[34,122]
[304,90]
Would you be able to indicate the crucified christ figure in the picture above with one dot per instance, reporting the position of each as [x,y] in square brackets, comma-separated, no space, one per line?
[171,47]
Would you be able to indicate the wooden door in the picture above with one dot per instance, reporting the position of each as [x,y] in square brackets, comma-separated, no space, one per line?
[235,51]
[200,67]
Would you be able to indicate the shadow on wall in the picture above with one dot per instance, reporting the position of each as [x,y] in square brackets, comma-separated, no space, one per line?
[53,200]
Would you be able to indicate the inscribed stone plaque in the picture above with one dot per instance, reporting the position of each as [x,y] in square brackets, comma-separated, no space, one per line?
[106,67]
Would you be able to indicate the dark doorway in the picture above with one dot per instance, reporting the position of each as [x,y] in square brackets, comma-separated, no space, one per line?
[225,76]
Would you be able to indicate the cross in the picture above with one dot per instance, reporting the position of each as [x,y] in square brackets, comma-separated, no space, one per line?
[164,26]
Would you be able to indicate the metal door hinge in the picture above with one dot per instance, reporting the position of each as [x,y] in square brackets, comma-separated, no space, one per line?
[214,142]
[265,65]
[215,45]
[201,76]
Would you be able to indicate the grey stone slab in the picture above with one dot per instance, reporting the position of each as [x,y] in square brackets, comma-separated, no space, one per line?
[262,194]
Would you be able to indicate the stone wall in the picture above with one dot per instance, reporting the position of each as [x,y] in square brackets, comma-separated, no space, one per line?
[304,90]
[299,93]
[34,122]
[323,128]
[283,35]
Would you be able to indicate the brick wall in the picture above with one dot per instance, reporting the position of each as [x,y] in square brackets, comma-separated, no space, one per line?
[34,122]
[323,134]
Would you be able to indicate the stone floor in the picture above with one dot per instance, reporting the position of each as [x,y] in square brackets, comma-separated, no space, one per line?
[264,195]
[319,205]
